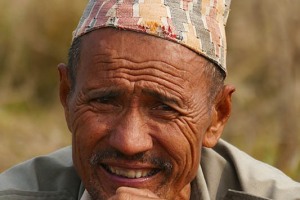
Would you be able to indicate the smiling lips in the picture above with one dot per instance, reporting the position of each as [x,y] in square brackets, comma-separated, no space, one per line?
[130,173]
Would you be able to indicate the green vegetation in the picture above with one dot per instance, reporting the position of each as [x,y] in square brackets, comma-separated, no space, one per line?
[263,62]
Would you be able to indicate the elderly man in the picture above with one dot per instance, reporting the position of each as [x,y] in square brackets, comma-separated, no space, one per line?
[144,98]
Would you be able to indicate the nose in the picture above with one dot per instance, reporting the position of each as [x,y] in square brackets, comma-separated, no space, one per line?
[131,134]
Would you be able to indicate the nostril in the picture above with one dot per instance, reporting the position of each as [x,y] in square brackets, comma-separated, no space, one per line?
[130,143]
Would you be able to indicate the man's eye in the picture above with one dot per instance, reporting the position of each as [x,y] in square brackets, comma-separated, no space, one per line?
[103,100]
[163,107]
[164,111]
[105,104]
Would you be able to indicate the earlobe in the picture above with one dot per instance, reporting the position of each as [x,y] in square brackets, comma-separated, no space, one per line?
[220,115]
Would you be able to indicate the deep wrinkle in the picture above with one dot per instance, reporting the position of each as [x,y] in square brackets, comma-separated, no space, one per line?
[126,76]
[137,72]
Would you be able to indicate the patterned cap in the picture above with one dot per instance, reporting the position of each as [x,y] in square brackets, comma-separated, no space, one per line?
[196,24]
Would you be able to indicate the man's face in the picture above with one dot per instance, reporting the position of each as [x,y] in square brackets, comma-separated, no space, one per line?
[139,114]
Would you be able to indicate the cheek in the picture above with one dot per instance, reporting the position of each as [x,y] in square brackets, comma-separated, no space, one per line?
[182,142]
[87,131]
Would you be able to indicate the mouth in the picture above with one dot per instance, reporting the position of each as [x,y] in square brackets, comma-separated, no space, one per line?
[130,173]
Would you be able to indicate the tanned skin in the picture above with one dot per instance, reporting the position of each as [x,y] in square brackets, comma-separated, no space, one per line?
[139,114]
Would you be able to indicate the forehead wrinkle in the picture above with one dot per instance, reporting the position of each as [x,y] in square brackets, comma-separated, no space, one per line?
[152,81]
[110,76]
[146,74]
[167,67]
[108,51]
[104,57]
[152,61]
[128,73]
[157,69]
[109,56]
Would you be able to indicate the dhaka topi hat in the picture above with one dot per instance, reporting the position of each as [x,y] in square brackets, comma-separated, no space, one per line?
[196,24]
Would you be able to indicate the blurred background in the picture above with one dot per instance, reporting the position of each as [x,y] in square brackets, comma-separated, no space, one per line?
[263,62]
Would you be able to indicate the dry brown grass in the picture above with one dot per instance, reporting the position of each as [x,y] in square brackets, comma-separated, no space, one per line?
[30,132]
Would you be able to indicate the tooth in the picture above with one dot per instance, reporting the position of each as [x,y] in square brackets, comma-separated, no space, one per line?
[121,173]
[112,170]
[138,174]
[128,173]
[131,174]
[144,173]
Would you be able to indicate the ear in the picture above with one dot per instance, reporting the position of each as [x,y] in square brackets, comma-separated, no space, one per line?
[220,115]
[65,84]
[64,87]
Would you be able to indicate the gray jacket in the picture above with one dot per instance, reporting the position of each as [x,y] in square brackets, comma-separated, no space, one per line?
[224,173]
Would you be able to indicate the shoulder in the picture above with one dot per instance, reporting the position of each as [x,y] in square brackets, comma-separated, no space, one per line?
[240,171]
[53,173]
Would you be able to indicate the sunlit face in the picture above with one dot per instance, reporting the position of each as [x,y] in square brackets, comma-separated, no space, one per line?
[139,114]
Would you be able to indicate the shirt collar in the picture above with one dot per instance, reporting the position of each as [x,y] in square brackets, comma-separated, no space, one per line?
[86,196]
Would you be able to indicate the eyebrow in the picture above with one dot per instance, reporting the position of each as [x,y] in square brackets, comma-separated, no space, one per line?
[162,96]
[110,91]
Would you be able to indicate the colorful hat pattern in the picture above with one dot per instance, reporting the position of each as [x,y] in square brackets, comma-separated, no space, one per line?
[196,24]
